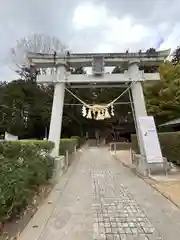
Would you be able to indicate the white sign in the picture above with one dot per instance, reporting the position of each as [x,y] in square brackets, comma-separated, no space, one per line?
[10,137]
[150,139]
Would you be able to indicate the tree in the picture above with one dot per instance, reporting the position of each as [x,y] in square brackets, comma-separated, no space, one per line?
[29,104]
[26,105]
[176,56]
[163,97]
[34,43]
[149,69]
[79,70]
[117,69]
[151,51]
[26,108]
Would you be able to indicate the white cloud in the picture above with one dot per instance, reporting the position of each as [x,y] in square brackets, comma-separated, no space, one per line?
[101,48]
[172,38]
[125,30]
[97,25]
[116,34]
[125,33]
[88,16]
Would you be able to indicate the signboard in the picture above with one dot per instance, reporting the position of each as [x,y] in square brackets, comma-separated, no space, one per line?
[150,140]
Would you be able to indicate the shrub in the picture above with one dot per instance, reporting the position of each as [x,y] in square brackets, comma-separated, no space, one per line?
[134,143]
[41,144]
[80,140]
[67,144]
[77,138]
[170,145]
[70,143]
[24,165]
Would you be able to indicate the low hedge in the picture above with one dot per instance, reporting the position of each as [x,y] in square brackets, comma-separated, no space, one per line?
[69,144]
[134,143]
[24,165]
[80,140]
[77,138]
[170,145]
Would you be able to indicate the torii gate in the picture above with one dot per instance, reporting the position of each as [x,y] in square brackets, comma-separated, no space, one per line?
[60,77]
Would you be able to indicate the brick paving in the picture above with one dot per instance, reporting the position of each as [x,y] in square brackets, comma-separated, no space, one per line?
[116,214]
[104,200]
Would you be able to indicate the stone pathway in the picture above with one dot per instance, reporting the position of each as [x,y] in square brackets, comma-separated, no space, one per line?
[101,199]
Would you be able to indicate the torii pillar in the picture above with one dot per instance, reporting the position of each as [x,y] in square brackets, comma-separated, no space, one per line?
[138,98]
[57,110]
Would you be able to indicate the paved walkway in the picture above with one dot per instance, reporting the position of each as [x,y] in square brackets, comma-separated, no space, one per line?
[98,198]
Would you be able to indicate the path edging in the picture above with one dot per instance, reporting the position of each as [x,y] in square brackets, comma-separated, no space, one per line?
[36,225]
[134,170]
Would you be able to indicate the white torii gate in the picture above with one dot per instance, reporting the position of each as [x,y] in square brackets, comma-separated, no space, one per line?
[60,77]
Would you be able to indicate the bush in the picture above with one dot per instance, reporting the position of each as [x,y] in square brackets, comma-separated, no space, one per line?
[70,143]
[80,141]
[67,144]
[134,143]
[170,145]
[41,144]
[24,165]
[77,138]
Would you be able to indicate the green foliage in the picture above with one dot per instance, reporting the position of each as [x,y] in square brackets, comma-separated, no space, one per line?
[163,97]
[77,138]
[67,144]
[80,141]
[41,144]
[24,165]
[26,98]
[134,143]
[170,145]
[20,99]
[176,56]
[118,69]
[25,107]
[79,70]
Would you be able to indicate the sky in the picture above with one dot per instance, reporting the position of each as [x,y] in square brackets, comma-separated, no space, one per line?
[89,26]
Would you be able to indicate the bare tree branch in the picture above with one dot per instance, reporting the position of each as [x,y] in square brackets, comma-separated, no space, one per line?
[33,43]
